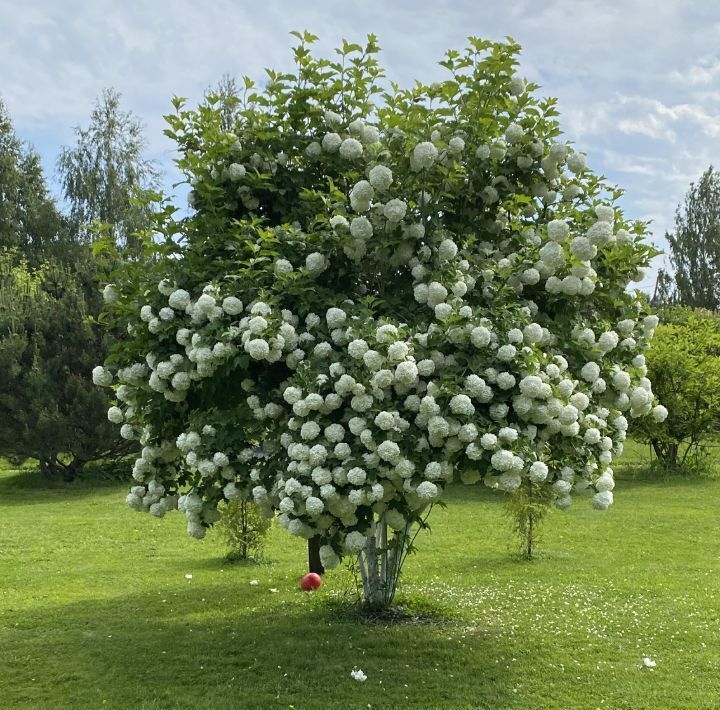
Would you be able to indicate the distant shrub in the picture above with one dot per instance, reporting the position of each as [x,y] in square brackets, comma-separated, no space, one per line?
[684,366]
[244,529]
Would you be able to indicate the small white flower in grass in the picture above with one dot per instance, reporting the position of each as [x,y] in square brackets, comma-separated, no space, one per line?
[273,590]
[188,576]
[358,675]
[649,662]
[253,582]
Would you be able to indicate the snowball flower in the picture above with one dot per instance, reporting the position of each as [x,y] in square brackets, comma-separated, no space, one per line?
[232,306]
[361,195]
[354,542]
[331,142]
[283,266]
[258,349]
[506,353]
[436,293]
[660,413]
[502,460]
[110,294]
[351,149]
[236,172]
[590,371]
[310,431]
[602,500]
[179,300]
[102,377]
[557,230]
[115,415]
[406,373]
[514,132]
[315,262]
[356,476]
[361,228]
[335,317]
[538,472]
[480,337]
[395,210]
[389,451]
[461,404]
[380,177]
[447,249]
[424,155]
[427,491]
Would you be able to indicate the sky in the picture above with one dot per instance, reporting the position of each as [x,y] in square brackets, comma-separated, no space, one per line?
[638,81]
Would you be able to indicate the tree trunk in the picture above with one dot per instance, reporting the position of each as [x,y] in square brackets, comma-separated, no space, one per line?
[314,563]
[380,564]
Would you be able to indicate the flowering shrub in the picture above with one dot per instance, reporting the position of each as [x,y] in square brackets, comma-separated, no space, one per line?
[379,291]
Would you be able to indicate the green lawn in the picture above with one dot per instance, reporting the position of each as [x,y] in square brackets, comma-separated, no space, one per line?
[96,610]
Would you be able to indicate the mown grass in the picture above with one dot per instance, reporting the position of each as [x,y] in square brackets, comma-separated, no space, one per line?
[96,610]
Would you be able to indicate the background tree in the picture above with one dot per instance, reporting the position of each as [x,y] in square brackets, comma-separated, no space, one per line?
[105,171]
[29,219]
[49,409]
[684,366]
[695,244]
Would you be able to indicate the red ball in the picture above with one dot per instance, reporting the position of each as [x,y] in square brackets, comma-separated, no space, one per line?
[310,582]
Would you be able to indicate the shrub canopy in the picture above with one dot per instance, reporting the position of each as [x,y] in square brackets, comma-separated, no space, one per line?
[378,290]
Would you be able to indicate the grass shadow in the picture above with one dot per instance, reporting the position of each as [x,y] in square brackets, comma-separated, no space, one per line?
[136,651]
